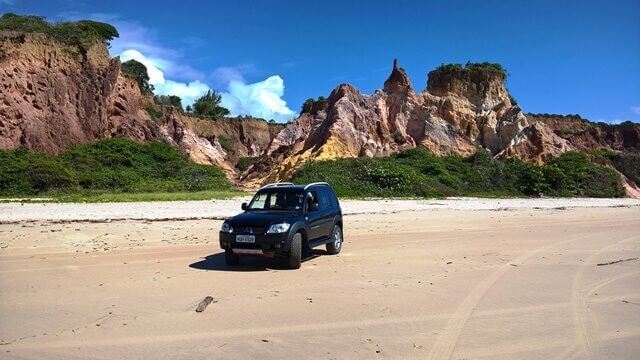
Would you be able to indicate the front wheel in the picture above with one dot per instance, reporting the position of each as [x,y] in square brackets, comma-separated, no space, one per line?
[334,246]
[295,254]
[231,258]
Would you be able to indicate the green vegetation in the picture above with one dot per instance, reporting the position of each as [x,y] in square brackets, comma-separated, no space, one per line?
[472,68]
[628,163]
[105,196]
[577,116]
[226,143]
[153,112]
[398,137]
[416,172]
[169,100]
[106,166]
[78,33]
[137,71]
[244,162]
[209,106]
[312,106]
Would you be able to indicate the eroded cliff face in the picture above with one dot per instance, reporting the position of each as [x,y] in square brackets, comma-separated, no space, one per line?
[586,135]
[457,113]
[248,137]
[53,96]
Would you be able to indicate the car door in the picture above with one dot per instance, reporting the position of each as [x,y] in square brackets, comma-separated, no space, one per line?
[314,218]
[327,211]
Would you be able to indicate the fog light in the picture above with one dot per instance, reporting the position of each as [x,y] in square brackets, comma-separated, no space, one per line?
[278,246]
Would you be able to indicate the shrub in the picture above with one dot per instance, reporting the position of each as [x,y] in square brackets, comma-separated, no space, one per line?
[117,165]
[226,143]
[628,163]
[416,172]
[312,106]
[585,178]
[244,162]
[398,137]
[471,68]
[79,33]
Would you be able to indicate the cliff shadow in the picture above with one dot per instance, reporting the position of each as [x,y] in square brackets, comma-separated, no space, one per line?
[215,262]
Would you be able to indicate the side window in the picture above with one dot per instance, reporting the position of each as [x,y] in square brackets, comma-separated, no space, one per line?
[313,198]
[332,197]
[324,201]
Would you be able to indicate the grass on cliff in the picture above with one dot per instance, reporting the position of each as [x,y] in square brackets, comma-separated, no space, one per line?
[418,173]
[75,33]
[107,168]
[469,67]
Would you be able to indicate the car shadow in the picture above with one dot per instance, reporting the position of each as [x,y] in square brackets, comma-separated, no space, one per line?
[215,262]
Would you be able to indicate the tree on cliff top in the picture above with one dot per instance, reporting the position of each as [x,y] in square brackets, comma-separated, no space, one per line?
[75,33]
[313,106]
[169,100]
[209,106]
[138,72]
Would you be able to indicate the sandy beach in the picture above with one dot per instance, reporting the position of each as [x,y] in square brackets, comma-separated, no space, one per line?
[439,279]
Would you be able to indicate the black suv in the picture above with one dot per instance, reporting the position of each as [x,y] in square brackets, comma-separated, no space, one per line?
[285,220]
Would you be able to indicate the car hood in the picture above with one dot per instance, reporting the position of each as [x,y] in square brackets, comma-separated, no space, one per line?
[258,218]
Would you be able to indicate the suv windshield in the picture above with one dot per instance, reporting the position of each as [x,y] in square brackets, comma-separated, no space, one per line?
[277,200]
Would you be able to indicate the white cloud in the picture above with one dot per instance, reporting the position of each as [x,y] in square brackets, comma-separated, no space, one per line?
[262,99]
[635,110]
[170,75]
[188,92]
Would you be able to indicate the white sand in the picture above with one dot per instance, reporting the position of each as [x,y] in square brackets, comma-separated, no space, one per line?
[219,209]
[446,282]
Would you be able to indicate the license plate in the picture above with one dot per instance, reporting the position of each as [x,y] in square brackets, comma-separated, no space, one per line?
[245,238]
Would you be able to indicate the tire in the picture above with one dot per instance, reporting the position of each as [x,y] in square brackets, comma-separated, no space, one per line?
[231,258]
[295,253]
[335,246]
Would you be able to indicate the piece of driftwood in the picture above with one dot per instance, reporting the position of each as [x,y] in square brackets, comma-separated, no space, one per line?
[615,262]
[204,303]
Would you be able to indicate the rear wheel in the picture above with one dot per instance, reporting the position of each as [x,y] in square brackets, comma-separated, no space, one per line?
[334,247]
[295,254]
[231,258]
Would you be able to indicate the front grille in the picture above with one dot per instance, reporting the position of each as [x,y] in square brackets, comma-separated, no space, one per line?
[256,230]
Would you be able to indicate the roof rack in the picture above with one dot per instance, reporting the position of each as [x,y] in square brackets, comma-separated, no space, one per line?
[316,183]
[276,185]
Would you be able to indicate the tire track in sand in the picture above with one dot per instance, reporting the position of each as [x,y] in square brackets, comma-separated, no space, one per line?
[587,338]
[446,343]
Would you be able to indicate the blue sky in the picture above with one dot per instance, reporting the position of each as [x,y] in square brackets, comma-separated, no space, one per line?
[269,56]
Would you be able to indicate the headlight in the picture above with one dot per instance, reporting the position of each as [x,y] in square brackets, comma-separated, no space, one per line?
[278,228]
[226,228]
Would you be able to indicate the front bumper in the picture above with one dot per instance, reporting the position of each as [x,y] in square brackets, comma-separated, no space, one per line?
[267,244]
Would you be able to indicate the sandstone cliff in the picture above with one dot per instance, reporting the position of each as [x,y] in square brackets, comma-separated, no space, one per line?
[53,96]
[461,109]
[586,135]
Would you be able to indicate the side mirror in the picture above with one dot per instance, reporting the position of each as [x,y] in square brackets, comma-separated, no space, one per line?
[313,207]
[244,206]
